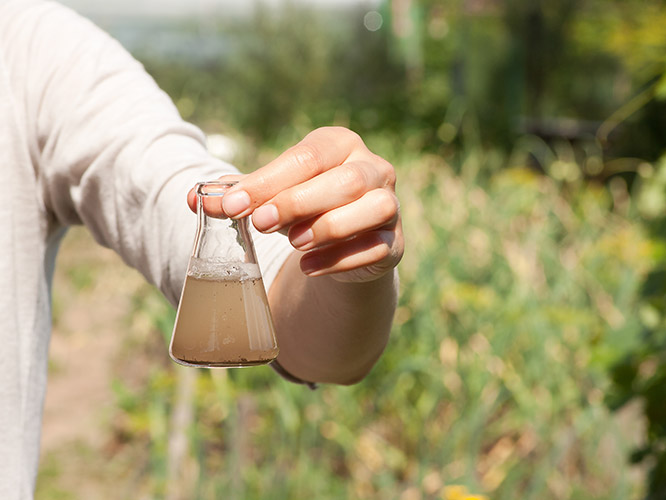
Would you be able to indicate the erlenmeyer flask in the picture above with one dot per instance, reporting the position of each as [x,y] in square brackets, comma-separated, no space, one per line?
[223,318]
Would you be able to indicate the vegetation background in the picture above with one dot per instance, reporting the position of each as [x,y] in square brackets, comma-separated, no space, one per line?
[528,358]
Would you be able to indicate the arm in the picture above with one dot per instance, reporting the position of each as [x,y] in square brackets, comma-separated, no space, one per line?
[334,299]
[108,147]
[330,331]
[111,152]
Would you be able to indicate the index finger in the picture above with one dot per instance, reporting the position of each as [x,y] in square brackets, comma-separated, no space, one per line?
[319,151]
[192,194]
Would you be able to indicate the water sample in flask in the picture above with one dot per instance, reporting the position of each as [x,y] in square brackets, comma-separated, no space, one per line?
[223,319]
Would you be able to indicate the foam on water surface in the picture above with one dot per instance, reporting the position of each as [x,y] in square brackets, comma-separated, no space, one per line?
[215,269]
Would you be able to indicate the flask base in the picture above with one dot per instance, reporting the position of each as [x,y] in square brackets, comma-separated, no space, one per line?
[239,363]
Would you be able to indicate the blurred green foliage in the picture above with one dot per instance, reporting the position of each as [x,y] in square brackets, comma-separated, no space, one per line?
[573,88]
[283,76]
[641,374]
[515,67]
[516,300]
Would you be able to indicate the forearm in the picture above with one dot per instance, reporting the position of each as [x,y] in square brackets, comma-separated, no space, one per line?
[329,331]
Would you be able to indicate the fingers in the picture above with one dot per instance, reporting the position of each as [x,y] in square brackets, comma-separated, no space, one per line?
[211,207]
[351,247]
[365,257]
[332,189]
[334,199]
[320,151]
[379,209]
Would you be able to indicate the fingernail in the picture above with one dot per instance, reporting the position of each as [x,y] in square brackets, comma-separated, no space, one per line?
[310,264]
[303,239]
[235,203]
[265,217]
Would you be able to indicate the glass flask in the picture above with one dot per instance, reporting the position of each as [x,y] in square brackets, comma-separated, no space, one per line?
[223,319]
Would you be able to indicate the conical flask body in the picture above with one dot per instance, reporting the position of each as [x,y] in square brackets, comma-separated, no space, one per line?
[223,317]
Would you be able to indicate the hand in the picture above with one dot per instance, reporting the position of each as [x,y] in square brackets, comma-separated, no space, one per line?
[333,198]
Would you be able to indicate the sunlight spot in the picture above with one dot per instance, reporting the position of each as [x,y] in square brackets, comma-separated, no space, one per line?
[373,20]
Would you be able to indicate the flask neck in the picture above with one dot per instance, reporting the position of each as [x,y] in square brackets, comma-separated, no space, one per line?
[218,237]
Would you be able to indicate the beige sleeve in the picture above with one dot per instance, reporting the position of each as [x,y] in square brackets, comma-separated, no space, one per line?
[109,147]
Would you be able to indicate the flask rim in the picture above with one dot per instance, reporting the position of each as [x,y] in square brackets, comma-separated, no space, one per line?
[217,187]
[209,196]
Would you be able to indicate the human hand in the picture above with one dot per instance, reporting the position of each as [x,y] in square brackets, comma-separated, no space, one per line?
[335,200]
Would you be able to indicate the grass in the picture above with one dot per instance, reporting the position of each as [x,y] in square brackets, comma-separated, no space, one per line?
[518,291]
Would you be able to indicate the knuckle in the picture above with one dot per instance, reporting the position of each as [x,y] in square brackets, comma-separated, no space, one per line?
[344,134]
[337,129]
[307,157]
[293,200]
[353,181]
[353,136]
[388,171]
[386,205]
[335,229]
[381,250]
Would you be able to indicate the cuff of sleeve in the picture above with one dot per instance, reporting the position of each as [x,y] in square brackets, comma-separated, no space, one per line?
[291,378]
